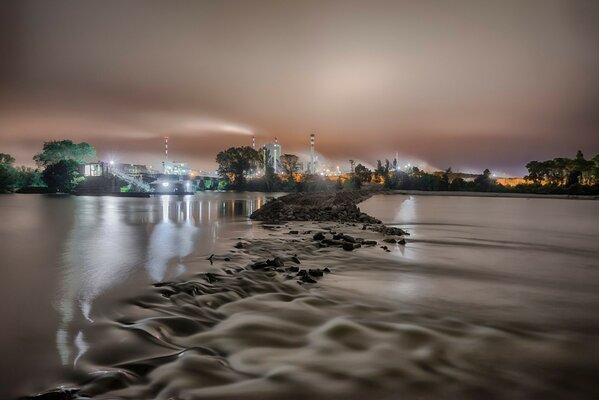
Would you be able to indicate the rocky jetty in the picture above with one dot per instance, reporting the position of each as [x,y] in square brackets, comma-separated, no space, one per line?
[320,206]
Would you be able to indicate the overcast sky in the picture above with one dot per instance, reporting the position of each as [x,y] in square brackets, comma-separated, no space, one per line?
[466,84]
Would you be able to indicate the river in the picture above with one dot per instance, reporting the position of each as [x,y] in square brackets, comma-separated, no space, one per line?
[509,274]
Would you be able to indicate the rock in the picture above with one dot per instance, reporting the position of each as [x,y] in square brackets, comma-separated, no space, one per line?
[307,279]
[315,272]
[227,259]
[295,260]
[384,248]
[319,236]
[348,238]
[293,269]
[259,265]
[326,270]
[401,241]
[293,232]
[302,272]
[276,262]
[369,243]
[239,245]
[348,246]
[390,240]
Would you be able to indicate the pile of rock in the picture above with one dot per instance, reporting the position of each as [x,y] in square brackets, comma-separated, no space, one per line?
[322,206]
[277,264]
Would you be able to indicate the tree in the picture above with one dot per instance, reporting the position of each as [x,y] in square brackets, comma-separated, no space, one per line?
[63,150]
[483,182]
[289,164]
[235,162]
[62,176]
[7,173]
[352,164]
[363,173]
[444,184]
[457,184]
[28,177]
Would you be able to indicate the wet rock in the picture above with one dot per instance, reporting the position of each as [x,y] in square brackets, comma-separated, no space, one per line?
[348,238]
[276,262]
[401,241]
[293,269]
[390,240]
[295,260]
[293,232]
[319,236]
[307,279]
[315,272]
[239,245]
[349,246]
[326,270]
[227,259]
[384,248]
[259,265]
[369,242]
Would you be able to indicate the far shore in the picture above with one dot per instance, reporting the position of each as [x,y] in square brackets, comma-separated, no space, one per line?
[492,194]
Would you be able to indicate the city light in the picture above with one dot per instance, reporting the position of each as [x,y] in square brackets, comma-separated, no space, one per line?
[165,184]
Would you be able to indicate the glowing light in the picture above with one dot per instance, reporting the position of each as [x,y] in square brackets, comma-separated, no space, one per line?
[111,162]
[165,184]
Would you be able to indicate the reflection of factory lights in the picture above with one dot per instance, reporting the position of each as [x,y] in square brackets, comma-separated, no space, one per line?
[165,184]
[111,162]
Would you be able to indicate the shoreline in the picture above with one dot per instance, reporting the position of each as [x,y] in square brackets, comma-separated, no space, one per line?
[490,194]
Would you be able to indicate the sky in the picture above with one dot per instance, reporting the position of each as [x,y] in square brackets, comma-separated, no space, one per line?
[462,84]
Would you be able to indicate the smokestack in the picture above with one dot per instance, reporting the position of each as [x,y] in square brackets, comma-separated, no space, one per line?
[254,142]
[312,168]
[165,154]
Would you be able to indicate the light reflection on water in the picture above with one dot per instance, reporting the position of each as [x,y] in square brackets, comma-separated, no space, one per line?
[113,239]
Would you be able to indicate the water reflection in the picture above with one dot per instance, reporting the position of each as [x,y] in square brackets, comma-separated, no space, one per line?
[115,242]
[172,238]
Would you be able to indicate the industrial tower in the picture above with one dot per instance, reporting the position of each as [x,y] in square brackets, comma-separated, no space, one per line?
[311,166]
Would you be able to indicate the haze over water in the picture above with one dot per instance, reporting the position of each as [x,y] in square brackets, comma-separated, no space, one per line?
[480,279]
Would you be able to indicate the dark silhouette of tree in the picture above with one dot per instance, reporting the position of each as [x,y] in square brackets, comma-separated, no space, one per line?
[483,182]
[289,164]
[444,184]
[62,176]
[7,173]
[457,184]
[235,162]
[63,150]
[363,173]
[352,164]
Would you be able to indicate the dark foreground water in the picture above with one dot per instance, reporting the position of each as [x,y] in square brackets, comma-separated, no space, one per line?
[490,298]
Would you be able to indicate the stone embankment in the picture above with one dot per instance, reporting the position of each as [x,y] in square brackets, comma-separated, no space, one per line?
[320,206]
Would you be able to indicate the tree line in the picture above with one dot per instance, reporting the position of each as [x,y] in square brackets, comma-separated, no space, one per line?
[557,176]
[57,168]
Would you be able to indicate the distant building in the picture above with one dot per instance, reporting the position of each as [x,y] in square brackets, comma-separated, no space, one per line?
[273,153]
[133,169]
[175,168]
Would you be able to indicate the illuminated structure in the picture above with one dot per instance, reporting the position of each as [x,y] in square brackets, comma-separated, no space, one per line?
[165,154]
[312,163]
[254,142]
[272,155]
[175,168]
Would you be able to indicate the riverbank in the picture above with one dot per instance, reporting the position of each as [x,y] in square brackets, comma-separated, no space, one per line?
[328,310]
[491,194]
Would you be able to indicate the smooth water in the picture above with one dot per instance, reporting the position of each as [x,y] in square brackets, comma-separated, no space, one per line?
[489,298]
[66,261]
